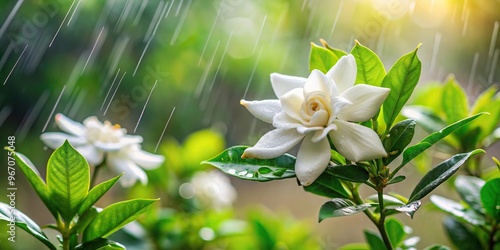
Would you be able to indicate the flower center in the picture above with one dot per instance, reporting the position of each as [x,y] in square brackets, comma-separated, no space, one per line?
[316,109]
[107,133]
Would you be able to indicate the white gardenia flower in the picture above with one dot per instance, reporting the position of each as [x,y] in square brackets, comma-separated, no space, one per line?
[96,140]
[310,109]
[213,189]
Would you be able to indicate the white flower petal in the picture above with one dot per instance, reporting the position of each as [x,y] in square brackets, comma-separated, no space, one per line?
[306,130]
[319,119]
[92,122]
[265,110]
[282,84]
[321,134]
[365,102]
[56,139]
[145,159]
[317,81]
[291,103]
[273,144]
[131,172]
[356,142]
[312,160]
[91,154]
[69,126]
[115,146]
[284,121]
[343,73]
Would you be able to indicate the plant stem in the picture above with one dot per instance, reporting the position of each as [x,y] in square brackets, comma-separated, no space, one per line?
[96,172]
[491,239]
[381,221]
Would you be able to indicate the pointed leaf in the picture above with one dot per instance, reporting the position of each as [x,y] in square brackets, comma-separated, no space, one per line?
[487,102]
[352,173]
[338,52]
[490,196]
[425,117]
[409,209]
[321,58]
[389,201]
[456,209]
[114,217]
[469,188]
[68,180]
[101,244]
[460,235]
[96,193]
[398,138]
[12,215]
[439,174]
[370,69]
[340,207]
[401,79]
[35,181]
[374,240]
[396,179]
[230,162]
[395,231]
[329,186]
[454,101]
[413,151]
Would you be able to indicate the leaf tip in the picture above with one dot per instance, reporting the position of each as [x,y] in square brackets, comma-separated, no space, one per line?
[477,151]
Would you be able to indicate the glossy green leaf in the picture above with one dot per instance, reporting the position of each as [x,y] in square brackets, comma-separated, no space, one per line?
[490,196]
[321,58]
[460,235]
[412,151]
[33,176]
[230,162]
[355,246]
[458,210]
[401,79]
[425,117]
[454,101]
[10,214]
[437,247]
[338,52]
[489,102]
[114,217]
[398,138]
[96,193]
[100,244]
[395,231]
[396,179]
[389,202]
[352,173]
[68,180]
[439,174]
[371,71]
[374,240]
[469,188]
[340,207]
[85,219]
[329,186]
[409,209]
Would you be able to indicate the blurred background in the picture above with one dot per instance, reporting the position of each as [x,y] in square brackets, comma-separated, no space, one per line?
[166,69]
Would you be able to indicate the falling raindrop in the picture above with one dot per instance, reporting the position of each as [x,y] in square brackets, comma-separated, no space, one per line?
[435,50]
[145,104]
[64,19]
[11,16]
[15,64]
[113,96]
[53,109]
[164,128]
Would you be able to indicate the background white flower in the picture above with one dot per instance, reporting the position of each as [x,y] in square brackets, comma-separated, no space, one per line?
[310,109]
[96,140]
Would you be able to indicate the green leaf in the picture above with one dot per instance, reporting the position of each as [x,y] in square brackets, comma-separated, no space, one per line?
[487,102]
[329,186]
[340,207]
[439,174]
[35,181]
[230,162]
[469,188]
[389,201]
[412,151]
[460,235]
[13,215]
[398,138]
[370,69]
[338,52]
[68,180]
[454,101]
[437,247]
[352,173]
[373,239]
[114,217]
[490,196]
[401,79]
[425,117]
[321,58]
[355,246]
[396,179]
[395,231]
[96,193]
[101,244]
[409,209]
[456,209]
